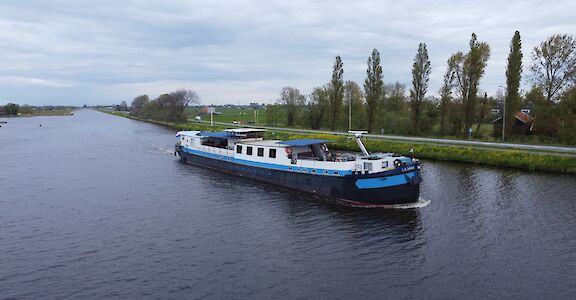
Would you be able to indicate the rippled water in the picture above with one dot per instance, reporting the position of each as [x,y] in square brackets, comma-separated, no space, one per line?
[95,206]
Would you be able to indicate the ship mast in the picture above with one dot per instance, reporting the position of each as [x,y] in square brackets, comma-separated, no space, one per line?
[358,136]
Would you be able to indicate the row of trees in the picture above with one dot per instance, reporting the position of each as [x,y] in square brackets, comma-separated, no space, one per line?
[167,107]
[12,109]
[461,104]
[554,92]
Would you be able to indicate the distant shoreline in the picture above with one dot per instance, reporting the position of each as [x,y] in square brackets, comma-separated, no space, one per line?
[43,113]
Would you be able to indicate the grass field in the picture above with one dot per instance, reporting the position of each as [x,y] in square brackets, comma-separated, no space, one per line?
[230,114]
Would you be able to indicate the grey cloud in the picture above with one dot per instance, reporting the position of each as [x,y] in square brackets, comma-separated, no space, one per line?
[107,50]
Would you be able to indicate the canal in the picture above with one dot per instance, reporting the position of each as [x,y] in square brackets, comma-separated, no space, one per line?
[97,206]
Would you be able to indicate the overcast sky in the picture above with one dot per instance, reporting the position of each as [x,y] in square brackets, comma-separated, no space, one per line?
[73,52]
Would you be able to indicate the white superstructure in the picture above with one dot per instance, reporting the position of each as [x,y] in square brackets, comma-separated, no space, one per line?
[246,146]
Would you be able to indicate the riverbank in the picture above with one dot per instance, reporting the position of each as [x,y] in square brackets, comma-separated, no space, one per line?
[493,157]
[43,113]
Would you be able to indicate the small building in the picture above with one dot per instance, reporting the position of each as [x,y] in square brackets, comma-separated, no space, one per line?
[523,124]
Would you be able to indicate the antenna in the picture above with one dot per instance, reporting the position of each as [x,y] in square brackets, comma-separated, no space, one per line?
[358,135]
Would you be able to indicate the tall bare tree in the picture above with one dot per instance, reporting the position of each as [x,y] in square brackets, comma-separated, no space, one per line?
[373,86]
[421,70]
[469,69]
[446,94]
[178,102]
[554,65]
[293,100]
[336,91]
[513,77]
[185,97]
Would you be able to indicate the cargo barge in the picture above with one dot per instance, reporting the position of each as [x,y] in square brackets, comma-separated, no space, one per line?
[360,180]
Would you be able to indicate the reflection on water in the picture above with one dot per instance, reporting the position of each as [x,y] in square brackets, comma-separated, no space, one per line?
[95,206]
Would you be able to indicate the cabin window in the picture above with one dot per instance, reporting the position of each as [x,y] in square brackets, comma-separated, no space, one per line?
[314,171]
[272,153]
[325,171]
[336,172]
[384,164]
[367,166]
[239,149]
[248,150]
[261,152]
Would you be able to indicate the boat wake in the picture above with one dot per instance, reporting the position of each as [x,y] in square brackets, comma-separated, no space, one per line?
[167,151]
[156,149]
[418,204]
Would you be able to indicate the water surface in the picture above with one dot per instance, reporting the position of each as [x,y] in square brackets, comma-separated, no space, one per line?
[95,206]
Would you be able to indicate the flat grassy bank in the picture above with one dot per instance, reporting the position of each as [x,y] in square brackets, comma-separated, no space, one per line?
[493,157]
[44,113]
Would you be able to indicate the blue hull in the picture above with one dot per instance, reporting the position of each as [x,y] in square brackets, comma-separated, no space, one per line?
[367,190]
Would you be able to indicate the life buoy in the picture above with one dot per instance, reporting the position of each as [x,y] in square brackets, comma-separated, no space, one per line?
[288,150]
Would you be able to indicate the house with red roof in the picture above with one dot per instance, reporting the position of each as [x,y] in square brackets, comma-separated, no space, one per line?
[523,124]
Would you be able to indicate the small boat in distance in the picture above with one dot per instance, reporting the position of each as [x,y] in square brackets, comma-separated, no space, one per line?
[361,180]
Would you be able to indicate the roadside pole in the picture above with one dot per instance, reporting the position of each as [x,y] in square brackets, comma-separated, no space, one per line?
[503,114]
[349,100]
[211,116]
